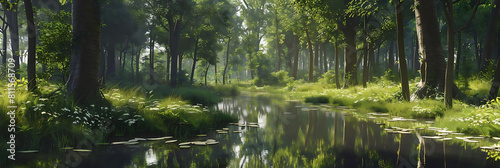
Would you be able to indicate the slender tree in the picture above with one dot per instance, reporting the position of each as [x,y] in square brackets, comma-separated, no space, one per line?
[401,52]
[31,46]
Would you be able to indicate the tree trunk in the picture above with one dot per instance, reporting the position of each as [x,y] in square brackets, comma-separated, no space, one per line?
[365,53]
[311,61]
[476,49]
[416,56]
[295,51]
[401,52]
[325,63]
[14,36]
[206,72]
[371,60]
[110,68]
[337,74]
[194,60]
[132,63]
[83,81]
[316,55]
[459,52]
[167,78]
[227,60]
[448,89]
[151,60]
[496,79]
[215,71]
[390,57]
[490,34]
[175,33]
[137,57]
[102,66]
[350,70]
[123,64]
[433,66]
[31,46]
[4,44]
[278,49]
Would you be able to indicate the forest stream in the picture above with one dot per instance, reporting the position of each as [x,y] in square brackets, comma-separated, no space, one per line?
[273,132]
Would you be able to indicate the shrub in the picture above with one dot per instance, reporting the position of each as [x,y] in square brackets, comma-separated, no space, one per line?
[317,99]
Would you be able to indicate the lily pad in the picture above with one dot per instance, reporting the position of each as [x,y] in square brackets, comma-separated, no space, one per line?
[184,147]
[200,143]
[170,141]
[28,151]
[82,150]
[212,143]
[119,143]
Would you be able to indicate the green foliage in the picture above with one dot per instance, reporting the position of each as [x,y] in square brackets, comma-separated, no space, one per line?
[317,99]
[279,78]
[54,47]
[226,90]
[328,77]
[195,95]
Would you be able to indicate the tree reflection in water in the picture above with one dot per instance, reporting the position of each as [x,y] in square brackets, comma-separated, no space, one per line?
[289,134]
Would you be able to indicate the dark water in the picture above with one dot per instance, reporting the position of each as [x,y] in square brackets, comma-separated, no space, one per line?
[289,134]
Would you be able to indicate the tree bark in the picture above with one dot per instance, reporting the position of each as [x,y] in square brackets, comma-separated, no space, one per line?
[4,43]
[433,70]
[278,49]
[391,56]
[31,46]
[206,72]
[459,52]
[111,64]
[416,56]
[350,70]
[83,81]
[175,33]
[490,34]
[194,59]
[151,59]
[496,79]
[337,74]
[227,60]
[448,90]
[365,54]
[14,36]
[325,62]
[137,57]
[401,52]
[311,61]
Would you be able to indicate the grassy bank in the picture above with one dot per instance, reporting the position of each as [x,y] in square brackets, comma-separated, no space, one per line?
[49,120]
[384,96]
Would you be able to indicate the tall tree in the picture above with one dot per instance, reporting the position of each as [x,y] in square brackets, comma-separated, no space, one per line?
[401,52]
[311,58]
[84,68]
[31,46]
[490,34]
[433,65]
[14,34]
[496,79]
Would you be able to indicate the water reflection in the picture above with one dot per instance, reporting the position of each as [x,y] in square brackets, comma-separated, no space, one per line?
[290,134]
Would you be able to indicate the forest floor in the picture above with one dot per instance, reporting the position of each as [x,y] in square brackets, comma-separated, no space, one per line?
[384,96]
